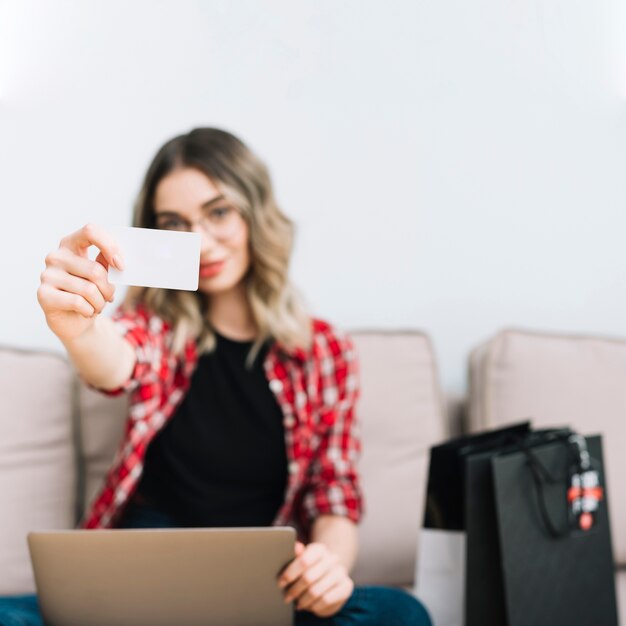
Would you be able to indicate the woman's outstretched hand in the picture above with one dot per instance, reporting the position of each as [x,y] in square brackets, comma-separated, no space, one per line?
[316,580]
[74,289]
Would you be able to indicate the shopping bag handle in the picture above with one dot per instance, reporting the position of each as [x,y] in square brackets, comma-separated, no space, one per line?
[582,464]
[542,476]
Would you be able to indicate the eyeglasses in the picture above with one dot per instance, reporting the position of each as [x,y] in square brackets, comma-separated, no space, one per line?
[221,222]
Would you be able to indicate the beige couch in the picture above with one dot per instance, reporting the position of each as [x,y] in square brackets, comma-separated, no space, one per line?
[57,437]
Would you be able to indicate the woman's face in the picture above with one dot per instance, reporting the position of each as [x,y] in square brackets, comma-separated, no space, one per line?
[188,197]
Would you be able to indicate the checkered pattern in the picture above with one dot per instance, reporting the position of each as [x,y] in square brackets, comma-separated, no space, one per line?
[316,390]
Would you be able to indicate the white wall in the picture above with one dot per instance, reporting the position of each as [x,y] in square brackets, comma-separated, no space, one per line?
[452,166]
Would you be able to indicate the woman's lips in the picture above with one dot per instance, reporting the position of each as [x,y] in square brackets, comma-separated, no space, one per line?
[211,269]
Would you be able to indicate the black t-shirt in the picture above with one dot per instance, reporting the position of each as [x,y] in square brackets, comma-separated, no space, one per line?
[221,459]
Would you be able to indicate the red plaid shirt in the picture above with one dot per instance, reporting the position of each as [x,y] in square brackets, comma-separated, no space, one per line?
[316,391]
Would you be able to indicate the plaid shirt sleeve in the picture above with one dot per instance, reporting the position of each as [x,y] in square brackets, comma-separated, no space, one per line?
[333,487]
[144,332]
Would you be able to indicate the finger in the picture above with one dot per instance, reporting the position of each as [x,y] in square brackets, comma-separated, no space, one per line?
[83,268]
[315,592]
[59,279]
[102,260]
[93,235]
[54,300]
[333,599]
[308,578]
[298,549]
[312,553]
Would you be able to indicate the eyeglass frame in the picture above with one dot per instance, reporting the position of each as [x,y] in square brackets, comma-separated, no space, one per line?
[203,222]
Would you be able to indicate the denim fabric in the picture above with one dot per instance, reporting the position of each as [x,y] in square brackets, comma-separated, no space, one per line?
[373,606]
[368,606]
[145,516]
[20,611]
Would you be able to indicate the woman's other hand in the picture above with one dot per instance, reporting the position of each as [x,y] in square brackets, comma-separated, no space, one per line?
[316,580]
[74,290]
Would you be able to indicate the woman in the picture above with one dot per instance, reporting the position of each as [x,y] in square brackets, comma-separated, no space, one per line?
[242,405]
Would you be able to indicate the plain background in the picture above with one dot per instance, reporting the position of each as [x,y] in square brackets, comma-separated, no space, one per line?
[452,166]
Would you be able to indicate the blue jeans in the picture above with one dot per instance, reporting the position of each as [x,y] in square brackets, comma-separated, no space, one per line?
[20,611]
[368,606]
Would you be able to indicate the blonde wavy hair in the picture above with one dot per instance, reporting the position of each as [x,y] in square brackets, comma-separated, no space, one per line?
[277,306]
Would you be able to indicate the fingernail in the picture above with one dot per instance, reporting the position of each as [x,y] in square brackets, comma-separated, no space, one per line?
[117,261]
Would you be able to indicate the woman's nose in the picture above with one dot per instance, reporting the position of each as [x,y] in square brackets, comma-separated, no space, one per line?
[207,241]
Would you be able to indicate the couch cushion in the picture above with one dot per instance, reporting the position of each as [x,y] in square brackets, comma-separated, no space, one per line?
[37,462]
[558,380]
[401,415]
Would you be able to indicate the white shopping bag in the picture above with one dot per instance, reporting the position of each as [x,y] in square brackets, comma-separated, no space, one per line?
[440,575]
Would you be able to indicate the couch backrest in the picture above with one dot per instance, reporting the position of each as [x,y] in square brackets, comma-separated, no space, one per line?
[37,457]
[579,381]
[401,414]
[101,422]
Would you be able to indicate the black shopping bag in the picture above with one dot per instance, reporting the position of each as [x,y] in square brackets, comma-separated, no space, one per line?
[477,488]
[557,561]
[449,567]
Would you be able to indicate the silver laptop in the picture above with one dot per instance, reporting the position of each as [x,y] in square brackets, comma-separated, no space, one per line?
[162,577]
